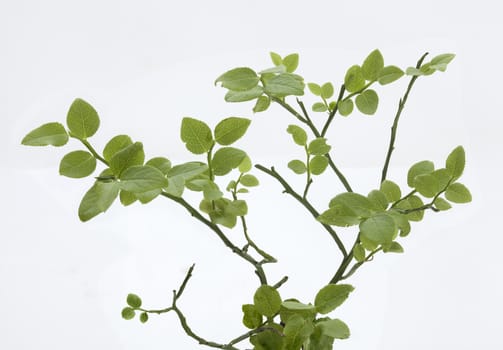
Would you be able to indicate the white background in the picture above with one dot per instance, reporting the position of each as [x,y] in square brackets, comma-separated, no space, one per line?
[146,64]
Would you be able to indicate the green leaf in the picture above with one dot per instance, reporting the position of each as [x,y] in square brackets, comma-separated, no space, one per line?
[176,185]
[413,71]
[319,107]
[359,253]
[296,332]
[367,102]
[297,166]
[249,180]
[346,107]
[276,59]
[327,90]
[354,80]
[127,198]
[331,296]
[242,96]
[245,165]
[360,205]
[427,185]
[455,162]
[276,69]
[423,167]
[115,145]
[412,202]
[142,178]
[339,215]
[251,317]
[318,164]
[187,171]
[440,62]
[267,300]
[373,65]
[298,134]
[133,300]
[443,177]
[291,62]
[226,159]
[160,163]
[230,130]
[319,341]
[335,329]
[239,79]
[368,244]
[389,74]
[143,317]
[82,119]
[196,135]
[147,197]
[53,134]
[77,164]
[427,69]
[128,313]
[458,193]
[285,85]
[442,204]
[378,199]
[318,147]
[130,156]
[314,88]
[236,208]
[380,228]
[391,190]
[393,247]
[268,339]
[263,102]
[98,199]
[297,306]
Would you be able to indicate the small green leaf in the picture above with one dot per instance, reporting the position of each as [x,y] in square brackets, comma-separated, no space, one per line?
[319,107]
[285,84]
[277,69]
[318,164]
[368,244]
[115,145]
[378,199]
[242,96]
[391,190]
[367,102]
[423,167]
[327,90]
[455,162]
[239,79]
[346,107]
[133,300]
[187,171]
[196,135]
[128,313]
[458,193]
[380,228]
[373,65]
[442,204]
[413,71]
[82,119]
[443,177]
[160,163]
[402,222]
[98,199]
[276,59]
[236,208]
[77,164]
[389,74]
[142,178]
[427,185]
[230,130]
[339,215]
[127,198]
[147,197]
[359,253]
[335,329]
[251,317]
[298,134]
[176,185]
[354,80]
[360,205]
[297,306]
[249,180]
[291,62]
[245,165]
[53,134]
[318,147]
[263,102]
[297,331]
[226,159]
[127,157]
[297,166]
[412,202]
[267,300]
[270,339]
[143,317]
[314,88]
[331,296]
[440,62]
[393,247]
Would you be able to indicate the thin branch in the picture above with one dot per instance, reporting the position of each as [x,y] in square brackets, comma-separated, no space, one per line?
[93,151]
[305,203]
[334,111]
[394,128]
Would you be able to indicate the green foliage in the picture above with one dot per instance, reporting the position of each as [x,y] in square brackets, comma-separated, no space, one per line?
[420,168]
[373,65]
[142,178]
[367,102]
[82,119]
[334,329]
[128,313]
[380,228]
[115,145]
[297,166]
[331,297]
[53,134]
[161,163]
[285,84]
[129,156]
[242,96]
[226,159]
[196,135]
[297,331]
[133,300]
[455,163]
[143,317]
[318,164]
[251,317]
[230,130]
[98,199]
[318,147]
[458,193]
[263,103]
[267,301]
[298,134]
[354,80]
[389,74]
[77,164]
[238,79]
[391,190]
[249,180]
[346,107]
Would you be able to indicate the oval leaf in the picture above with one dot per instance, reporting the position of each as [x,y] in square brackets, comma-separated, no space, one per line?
[455,162]
[82,119]
[373,65]
[239,79]
[230,130]
[116,144]
[226,159]
[196,135]
[458,193]
[423,167]
[380,228]
[98,199]
[331,296]
[354,80]
[367,102]
[53,134]
[129,156]
[142,178]
[267,300]
[389,74]
[77,164]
